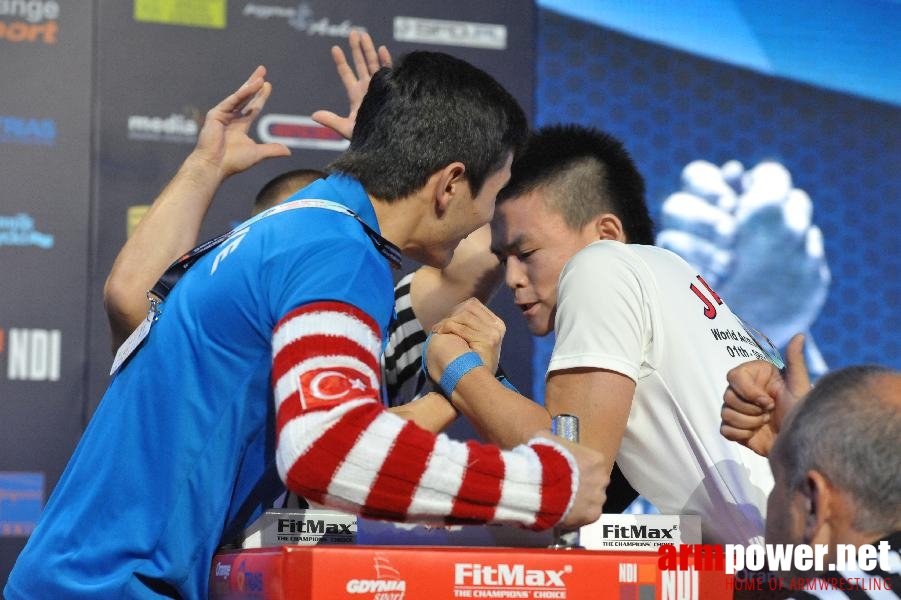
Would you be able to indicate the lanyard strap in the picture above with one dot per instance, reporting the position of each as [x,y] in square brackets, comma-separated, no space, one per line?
[178,268]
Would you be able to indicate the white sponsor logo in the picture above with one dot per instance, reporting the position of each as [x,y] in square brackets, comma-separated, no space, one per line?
[179,128]
[302,18]
[679,585]
[373,586]
[33,354]
[450,33]
[506,575]
[228,248]
[388,584]
[223,570]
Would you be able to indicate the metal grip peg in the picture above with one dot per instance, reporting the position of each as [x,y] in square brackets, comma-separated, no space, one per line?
[566,427]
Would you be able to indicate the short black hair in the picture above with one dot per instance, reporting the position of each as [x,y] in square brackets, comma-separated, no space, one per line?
[428,111]
[281,186]
[589,172]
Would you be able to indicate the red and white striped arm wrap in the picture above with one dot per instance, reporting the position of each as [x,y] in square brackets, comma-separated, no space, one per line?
[337,446]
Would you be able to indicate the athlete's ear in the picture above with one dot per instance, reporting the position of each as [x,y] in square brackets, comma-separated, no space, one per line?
[609,227]
[450,182]
[821,497]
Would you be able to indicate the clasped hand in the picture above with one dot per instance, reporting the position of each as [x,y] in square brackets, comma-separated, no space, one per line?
[471,327]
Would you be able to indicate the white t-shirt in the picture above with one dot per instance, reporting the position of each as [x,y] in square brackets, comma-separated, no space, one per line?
[643,311]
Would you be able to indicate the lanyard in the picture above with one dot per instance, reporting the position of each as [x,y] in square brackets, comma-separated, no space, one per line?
[178,268]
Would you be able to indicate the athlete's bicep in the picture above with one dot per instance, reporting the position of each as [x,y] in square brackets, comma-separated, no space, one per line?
[602,400]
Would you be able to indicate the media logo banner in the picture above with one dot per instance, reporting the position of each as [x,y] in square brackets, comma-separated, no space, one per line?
[21,499]
[176,128]
[192,13]
[464,34]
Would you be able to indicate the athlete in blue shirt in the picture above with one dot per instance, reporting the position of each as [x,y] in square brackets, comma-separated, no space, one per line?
[263,364]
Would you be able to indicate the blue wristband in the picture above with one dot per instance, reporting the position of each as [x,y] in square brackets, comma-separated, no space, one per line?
[459,367]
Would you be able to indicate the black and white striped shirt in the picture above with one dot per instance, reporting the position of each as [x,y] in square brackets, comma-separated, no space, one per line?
[402,360]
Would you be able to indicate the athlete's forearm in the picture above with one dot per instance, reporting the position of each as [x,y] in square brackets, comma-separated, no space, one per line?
[337,445]
[168,230]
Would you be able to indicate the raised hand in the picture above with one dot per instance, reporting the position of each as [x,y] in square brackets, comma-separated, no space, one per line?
[758,398]
[223,140]
[367,60]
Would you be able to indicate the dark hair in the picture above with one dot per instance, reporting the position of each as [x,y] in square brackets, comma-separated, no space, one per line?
[588,172]
[848,429]
[428,111]
[281,186]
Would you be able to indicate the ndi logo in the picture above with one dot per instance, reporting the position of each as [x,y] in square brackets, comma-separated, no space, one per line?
[33,354]
[28,131]
[643,580]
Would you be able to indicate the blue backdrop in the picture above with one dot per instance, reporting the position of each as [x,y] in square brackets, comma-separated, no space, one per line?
[662,91]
